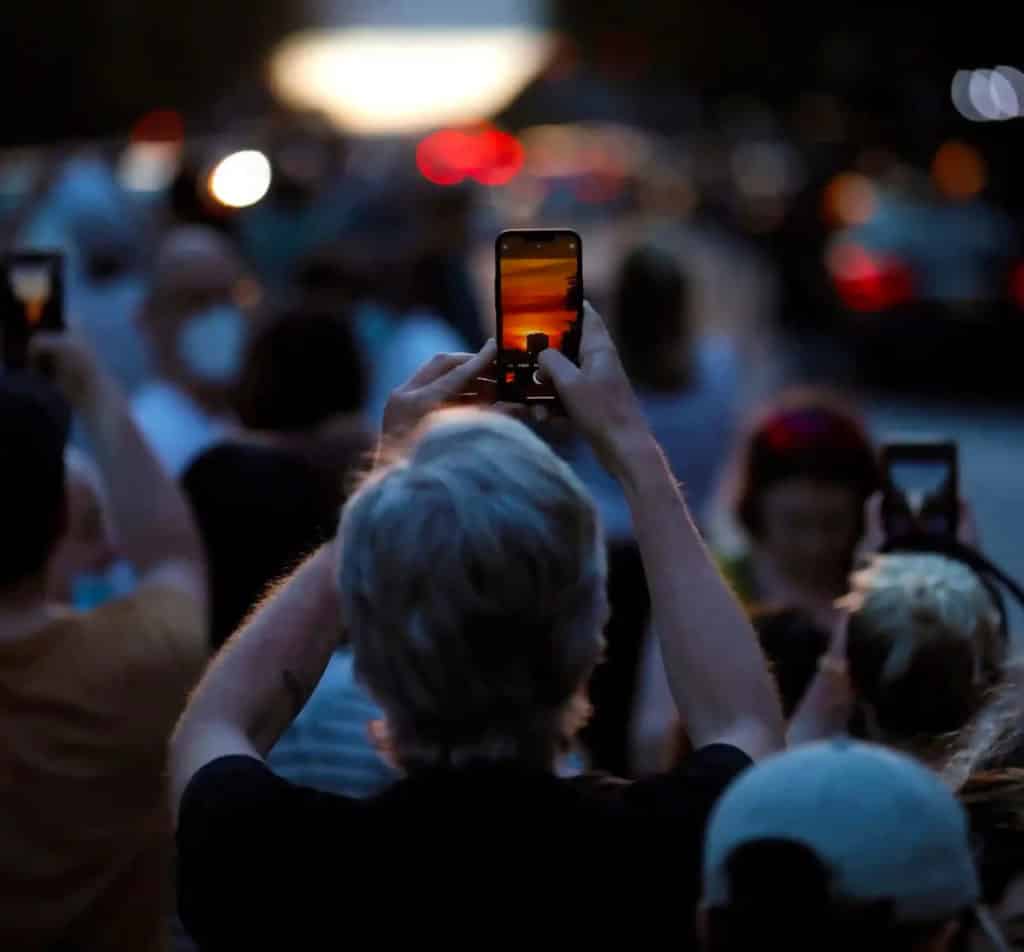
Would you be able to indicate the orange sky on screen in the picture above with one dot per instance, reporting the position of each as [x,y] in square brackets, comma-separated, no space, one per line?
[533,294]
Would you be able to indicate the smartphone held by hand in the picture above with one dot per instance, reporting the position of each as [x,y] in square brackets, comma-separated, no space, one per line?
[539,305]
[31,300]
[921,494]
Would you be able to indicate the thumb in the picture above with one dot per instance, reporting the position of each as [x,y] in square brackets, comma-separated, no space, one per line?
[558,368]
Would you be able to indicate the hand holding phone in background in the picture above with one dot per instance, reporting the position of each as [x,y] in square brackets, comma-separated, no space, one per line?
[31,300]
[920,494]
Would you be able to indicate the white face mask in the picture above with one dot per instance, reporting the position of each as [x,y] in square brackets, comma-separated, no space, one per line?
[211,343]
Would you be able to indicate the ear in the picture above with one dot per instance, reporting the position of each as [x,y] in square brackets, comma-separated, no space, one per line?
[382,741]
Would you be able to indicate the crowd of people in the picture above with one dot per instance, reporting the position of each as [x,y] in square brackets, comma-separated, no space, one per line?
[296,625]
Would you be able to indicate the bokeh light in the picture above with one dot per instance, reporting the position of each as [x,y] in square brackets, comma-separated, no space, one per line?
[241,179]
[379,81]
[959,171]
[849,199]
[866,281]
[988,95]
[486,155]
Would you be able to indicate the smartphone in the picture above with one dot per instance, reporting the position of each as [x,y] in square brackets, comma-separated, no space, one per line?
[921,493]
[538,278]
[31,299]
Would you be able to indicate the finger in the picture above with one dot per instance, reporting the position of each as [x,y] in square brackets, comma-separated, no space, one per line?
[596,337]
[436,367]
[557,368]
[462,375]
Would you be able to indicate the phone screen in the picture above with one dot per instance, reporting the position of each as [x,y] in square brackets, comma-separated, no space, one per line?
[539,305]
[31,299]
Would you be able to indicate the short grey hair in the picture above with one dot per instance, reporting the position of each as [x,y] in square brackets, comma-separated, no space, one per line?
[472,584]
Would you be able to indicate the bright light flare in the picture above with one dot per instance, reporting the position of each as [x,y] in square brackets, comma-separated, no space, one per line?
[241,179]
[988,95]
[379,81]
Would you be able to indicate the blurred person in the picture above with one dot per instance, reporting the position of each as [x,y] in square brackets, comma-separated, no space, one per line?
[88,216]
[469,574]
[687,383]
[840,846]
[805,470]
[89,697]
[198,320]
[994,801]
[303,387]
[301,395]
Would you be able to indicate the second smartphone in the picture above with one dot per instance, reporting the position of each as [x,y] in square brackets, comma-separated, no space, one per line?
[539,304]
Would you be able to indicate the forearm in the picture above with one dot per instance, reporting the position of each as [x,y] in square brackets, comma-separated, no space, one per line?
[153,520]
[265,673]
[716,671]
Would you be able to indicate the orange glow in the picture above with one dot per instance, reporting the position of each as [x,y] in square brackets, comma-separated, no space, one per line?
[160,125]
[959,171]
[850,199]
[534,299]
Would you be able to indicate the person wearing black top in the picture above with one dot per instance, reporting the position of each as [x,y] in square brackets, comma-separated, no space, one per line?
[469,574]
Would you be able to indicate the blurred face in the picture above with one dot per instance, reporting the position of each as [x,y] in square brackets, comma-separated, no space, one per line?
[1009,916]
[87,547]
[809,529]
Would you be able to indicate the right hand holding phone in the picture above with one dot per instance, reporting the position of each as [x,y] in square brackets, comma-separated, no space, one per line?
[597,394]
[69,364]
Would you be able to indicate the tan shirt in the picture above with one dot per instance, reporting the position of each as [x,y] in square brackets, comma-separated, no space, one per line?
[87,704]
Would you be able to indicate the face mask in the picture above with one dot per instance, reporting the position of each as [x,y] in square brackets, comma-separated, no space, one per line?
[211,343]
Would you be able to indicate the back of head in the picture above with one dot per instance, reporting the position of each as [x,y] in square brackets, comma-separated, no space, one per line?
[924,644]
[836,845]
[472,582]
[260,510]
[34,426]
[300,371]
[651,321]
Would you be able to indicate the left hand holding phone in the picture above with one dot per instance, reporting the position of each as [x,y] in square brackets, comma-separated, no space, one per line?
[437,383]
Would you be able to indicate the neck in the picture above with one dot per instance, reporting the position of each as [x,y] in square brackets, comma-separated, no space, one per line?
[815,596]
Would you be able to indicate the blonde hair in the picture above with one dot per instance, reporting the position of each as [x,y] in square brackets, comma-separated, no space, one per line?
[925,643]
[472,582]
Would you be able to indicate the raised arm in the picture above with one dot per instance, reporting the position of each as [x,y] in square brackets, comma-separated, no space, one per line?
[717,673]
[153,521]
[266,672]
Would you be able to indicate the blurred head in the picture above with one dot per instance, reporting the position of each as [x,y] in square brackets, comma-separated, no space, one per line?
[87,547]
[302,370]
[34,425]
[792,643]
[197,311]
[840,846]
[995,807]
[651,322]
[925,645]
[806,471]
[473,586]
[260,510]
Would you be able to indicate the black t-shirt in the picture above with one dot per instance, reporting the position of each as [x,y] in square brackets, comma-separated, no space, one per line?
[475,855]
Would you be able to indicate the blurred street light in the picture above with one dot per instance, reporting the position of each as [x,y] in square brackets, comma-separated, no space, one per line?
[241,179]
[398,68]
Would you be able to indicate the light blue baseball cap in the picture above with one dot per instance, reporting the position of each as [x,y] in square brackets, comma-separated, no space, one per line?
[885,825]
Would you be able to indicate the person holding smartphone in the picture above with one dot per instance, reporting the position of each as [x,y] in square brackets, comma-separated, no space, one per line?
[88,697]
[469,574]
